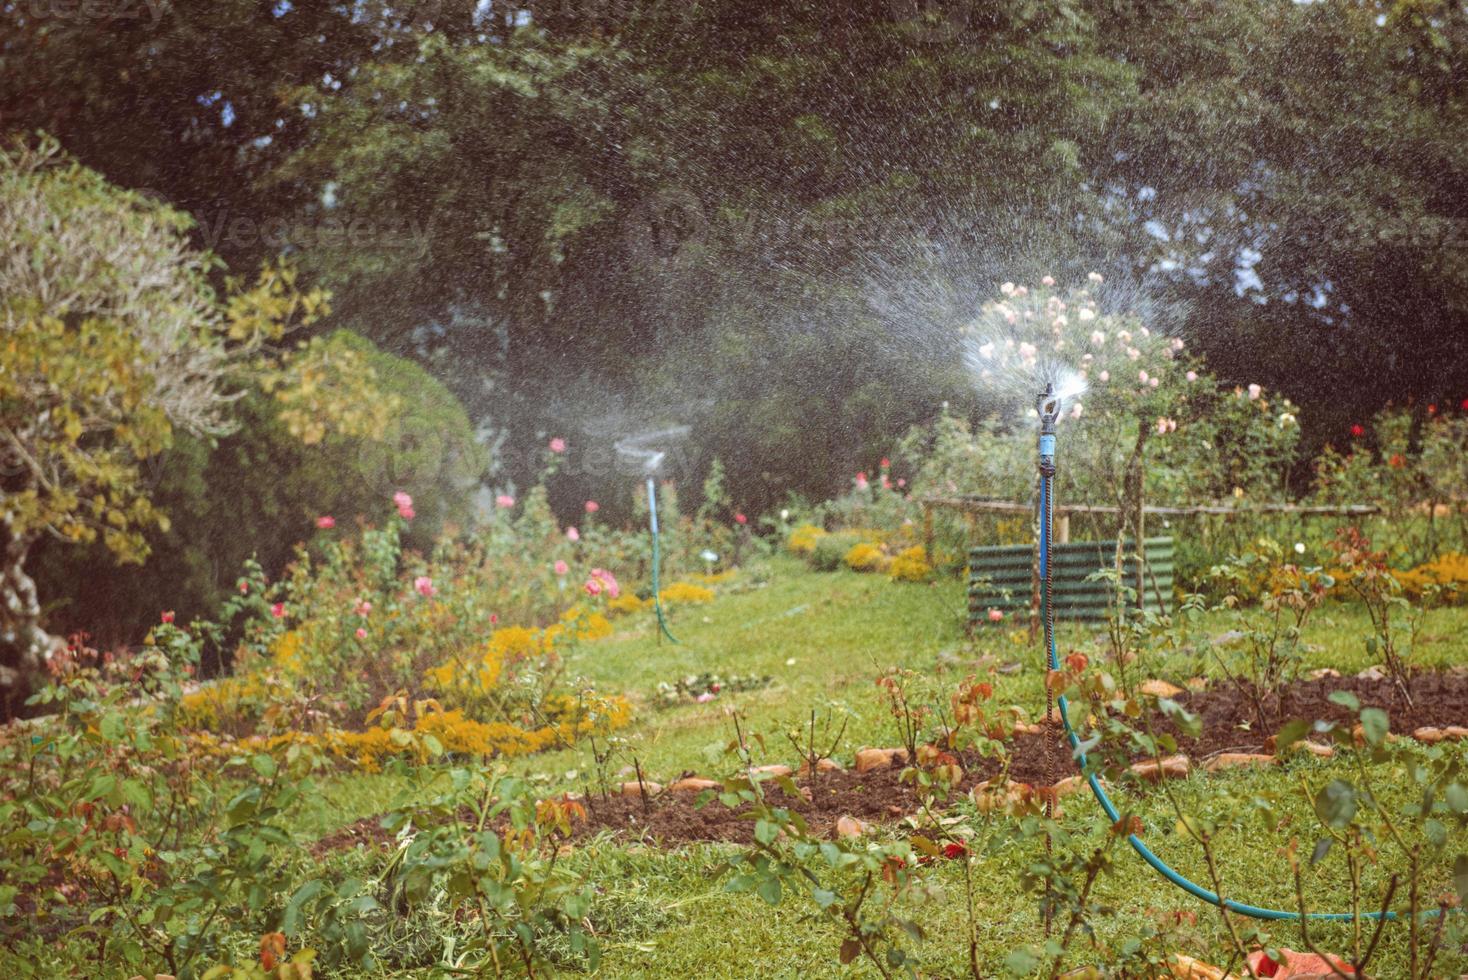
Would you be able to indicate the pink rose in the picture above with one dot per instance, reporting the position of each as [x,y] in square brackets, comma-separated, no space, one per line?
[168,616]
[494,619]
[404,504]
[705,697]
[504,500]
[278,610]
[608,581]
[562,568]
[593,586]
[1254,392]
[558,445]
[740,519]
[361,633]
[995,616]
[326,522]
[1191,375]
[861,481]
[423,585]
[592,506]
[362,608]
[572,534]
[244,587]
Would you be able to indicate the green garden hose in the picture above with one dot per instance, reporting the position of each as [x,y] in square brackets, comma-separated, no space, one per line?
[1049,409]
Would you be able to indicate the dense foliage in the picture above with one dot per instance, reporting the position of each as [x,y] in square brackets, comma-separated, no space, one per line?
[766,222]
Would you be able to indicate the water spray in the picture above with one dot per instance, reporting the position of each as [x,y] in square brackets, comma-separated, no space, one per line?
[1050,405]
[640,447]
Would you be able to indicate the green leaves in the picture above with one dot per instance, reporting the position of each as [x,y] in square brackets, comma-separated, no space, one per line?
[1336,804]
[1374,725]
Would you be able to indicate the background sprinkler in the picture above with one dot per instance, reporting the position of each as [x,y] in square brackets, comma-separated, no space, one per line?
[640,447]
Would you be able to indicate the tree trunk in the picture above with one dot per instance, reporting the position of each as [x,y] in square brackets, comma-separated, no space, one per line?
[24,645]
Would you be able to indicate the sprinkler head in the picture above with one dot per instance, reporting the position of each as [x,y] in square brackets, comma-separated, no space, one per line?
[1047,406]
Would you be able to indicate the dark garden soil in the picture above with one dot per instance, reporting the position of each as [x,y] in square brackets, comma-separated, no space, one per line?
[1439,699]
[878,796]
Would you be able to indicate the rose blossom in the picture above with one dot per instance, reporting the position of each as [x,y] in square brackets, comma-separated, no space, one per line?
[423,585]
[404,504]
[361,633]
[1254,392]
[168,616]
[363,607]
[504,500]
[558,445]
[572,534]
[278,610]
[995,615]
[561,567]
[326,522]
[592,506]
[608,581]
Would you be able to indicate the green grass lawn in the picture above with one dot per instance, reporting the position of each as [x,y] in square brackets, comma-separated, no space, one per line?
[824,637]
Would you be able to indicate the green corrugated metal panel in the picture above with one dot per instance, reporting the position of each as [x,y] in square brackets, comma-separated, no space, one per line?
[995,571]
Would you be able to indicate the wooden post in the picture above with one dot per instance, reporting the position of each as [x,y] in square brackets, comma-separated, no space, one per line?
[1062,529]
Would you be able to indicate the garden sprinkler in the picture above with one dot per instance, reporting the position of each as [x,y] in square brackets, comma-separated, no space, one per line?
[636,447]
[1049,405]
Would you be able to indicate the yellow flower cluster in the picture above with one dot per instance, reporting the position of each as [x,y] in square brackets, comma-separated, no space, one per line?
[911,565]
[1448,572]
[221,703]
[865,557]
[686,593]
[627,603]
[802,540]
[451,730]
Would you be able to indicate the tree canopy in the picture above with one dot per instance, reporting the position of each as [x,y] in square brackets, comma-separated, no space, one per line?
[765,220]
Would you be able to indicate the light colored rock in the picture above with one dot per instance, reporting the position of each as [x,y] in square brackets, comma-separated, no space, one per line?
[1183,967]
[1174,765]
[868,760]
[1324,673]
[1315,749]
[1372,673]
[1429,735]
[694,784]
[1455,731]
[1070,784]
[850,827]
[822,765]
[634,789]
[1160,689]
[773,771]
[1236,760]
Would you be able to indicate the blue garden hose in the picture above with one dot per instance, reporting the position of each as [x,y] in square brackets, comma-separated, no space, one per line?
[1049,408]
[652,519]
